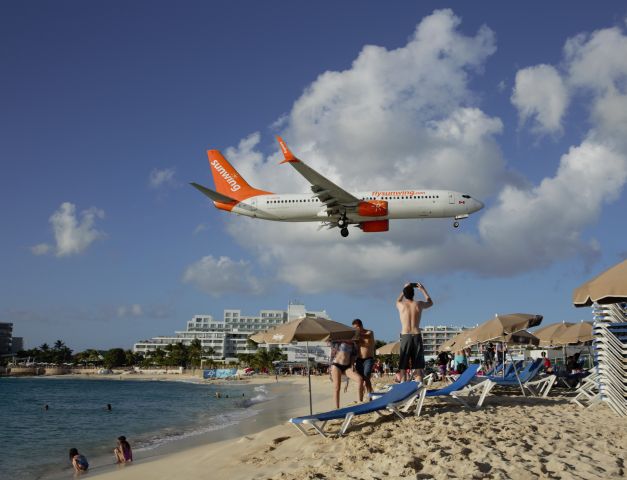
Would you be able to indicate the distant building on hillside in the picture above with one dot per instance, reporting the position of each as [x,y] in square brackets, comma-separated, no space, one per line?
[227,337]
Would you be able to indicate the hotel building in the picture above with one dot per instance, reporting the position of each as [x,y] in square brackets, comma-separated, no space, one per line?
[227,337]
[434,336]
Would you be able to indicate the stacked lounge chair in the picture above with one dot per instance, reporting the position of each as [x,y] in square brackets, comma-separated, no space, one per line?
[588,391]
[400,397]
[610,344]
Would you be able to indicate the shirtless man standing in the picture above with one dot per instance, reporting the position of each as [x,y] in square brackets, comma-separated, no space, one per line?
[410,313]
[365,356]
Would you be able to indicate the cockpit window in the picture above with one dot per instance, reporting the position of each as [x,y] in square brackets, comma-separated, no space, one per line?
[466,196]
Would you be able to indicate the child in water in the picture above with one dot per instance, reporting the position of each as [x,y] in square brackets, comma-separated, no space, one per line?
[123,452]
[79,462]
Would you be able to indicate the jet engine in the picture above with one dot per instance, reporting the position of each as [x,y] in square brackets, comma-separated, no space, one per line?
[373,208]
[375,226]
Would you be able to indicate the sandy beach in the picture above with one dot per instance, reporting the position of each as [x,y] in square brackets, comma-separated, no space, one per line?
[511,437]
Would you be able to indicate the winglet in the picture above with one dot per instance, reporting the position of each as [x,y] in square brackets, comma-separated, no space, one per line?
[289,156]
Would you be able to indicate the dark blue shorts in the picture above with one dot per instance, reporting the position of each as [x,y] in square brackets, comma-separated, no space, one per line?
[412,351]
[364,366]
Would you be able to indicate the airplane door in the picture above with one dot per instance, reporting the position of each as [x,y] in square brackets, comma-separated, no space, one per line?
[451,198]
[253,203]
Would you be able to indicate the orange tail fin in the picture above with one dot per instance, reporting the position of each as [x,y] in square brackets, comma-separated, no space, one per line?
[228,181]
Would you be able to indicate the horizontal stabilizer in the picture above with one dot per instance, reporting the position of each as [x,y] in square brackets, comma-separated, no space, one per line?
[215,196]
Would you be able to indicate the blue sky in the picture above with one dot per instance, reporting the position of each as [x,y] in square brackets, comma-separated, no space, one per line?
[108,108]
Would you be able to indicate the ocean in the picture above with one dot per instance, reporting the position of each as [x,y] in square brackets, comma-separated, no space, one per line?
[35,442]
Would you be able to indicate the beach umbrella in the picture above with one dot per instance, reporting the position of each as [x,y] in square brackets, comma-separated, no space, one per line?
[392,348]
[578,333]
[522,337]
[608,287]
[549,333]
[455,343]
[499,327]
[306,329]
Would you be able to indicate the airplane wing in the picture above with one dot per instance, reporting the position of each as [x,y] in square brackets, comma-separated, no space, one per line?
[329,193]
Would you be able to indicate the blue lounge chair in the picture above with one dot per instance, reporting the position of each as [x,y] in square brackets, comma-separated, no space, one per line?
[509,371]
[460,388]
[400,395]
[494,370]
[539,387]
[525,375]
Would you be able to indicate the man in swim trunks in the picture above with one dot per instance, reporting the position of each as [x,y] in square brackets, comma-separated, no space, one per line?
[410,313]
[365,356]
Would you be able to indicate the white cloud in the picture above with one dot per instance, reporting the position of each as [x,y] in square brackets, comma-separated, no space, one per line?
[547,222]
[72,235]
[160,178]
[218,276]
[406,118]
[541,96]
[40,249]
[534,227]
[134,310]
[597,60]
[201,227]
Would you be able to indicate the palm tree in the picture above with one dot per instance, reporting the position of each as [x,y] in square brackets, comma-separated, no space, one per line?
[195,352]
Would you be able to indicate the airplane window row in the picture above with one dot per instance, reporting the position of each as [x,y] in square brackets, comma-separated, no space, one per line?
[402,198]
[308,200]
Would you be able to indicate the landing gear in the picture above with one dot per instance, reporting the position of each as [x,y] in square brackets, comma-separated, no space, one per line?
[344,232]
[455,224]
[342,222]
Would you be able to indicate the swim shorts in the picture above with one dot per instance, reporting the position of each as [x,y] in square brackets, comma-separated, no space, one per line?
[364,366]
[412,352]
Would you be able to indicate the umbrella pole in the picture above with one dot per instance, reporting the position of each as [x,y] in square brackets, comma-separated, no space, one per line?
[516,372]
[504,362]
[309,380]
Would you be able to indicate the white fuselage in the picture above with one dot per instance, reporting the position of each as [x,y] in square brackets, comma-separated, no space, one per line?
[401,204]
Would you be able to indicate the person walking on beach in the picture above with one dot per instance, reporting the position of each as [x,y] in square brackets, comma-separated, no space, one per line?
[79,462]
[365,357]
[343,355]
[123,452]
[410,313]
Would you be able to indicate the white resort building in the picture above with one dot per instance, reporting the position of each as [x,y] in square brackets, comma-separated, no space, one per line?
[228,337]
[433,336]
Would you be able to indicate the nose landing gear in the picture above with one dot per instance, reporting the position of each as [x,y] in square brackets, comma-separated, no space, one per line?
[459,217]
[344,232]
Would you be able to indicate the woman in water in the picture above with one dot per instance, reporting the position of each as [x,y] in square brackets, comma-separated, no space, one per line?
[123,452]
[343,356]
[79,462]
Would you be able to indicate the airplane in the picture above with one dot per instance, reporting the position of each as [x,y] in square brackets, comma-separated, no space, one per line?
[328,203]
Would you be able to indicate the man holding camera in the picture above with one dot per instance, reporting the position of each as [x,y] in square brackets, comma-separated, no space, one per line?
[410,313]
